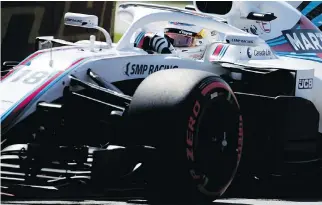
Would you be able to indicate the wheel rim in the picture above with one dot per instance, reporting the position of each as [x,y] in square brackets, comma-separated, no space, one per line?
[217,145]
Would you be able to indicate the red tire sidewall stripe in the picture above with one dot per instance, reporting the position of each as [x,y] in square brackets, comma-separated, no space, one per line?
[218,85]
[190,143]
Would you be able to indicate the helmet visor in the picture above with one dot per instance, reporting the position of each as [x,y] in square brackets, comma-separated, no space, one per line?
[180,40]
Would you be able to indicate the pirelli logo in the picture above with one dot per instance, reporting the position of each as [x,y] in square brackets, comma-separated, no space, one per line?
[305,83]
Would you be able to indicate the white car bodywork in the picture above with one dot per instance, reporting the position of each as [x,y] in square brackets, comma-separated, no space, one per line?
[121,62]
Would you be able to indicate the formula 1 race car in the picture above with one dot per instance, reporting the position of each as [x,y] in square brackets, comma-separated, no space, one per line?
[84,118]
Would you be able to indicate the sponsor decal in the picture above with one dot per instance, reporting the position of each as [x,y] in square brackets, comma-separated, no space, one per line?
[144,69]
[180,31]
[305,83]
[265,52]
[191,129]
[304,40]
[190,137]
[249,53]
[236,40]
[185,33]
[181,24]
[74,20]
[255,52]
[265,26]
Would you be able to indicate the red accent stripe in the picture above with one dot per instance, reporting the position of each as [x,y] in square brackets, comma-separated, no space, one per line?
[319,55]
[141,41]
[140,45]
[9,73]
[79,60]
[24,62]
[306,23]
[217,50]
[283,47]
[31,57]
[35,93]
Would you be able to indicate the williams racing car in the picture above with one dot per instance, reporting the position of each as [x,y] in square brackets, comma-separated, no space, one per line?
[88,117]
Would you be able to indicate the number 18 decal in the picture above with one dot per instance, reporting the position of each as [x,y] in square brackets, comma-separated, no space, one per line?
[30,76]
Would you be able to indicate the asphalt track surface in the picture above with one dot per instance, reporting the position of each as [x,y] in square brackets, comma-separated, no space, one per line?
[305,191]
[232,201]
[228,201]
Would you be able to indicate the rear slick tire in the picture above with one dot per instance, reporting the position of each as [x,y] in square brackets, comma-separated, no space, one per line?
[193,119]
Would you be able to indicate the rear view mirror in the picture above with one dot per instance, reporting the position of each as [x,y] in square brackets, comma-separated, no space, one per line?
[261,16]
[86,21]
[81,20]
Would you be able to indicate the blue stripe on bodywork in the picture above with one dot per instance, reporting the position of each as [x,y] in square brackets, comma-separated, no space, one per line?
[225,49]
[277,43]
[317,21]
[301,54]
[222,51]
[317,59]
[281,38]
[312,5]
[138,39]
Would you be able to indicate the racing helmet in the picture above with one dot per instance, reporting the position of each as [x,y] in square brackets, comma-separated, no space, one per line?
[189,40]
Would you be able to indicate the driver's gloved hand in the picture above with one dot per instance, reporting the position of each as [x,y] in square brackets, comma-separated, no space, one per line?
[151,41]
[160,44]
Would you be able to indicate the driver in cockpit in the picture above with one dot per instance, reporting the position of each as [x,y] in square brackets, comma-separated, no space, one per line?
[187,40]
